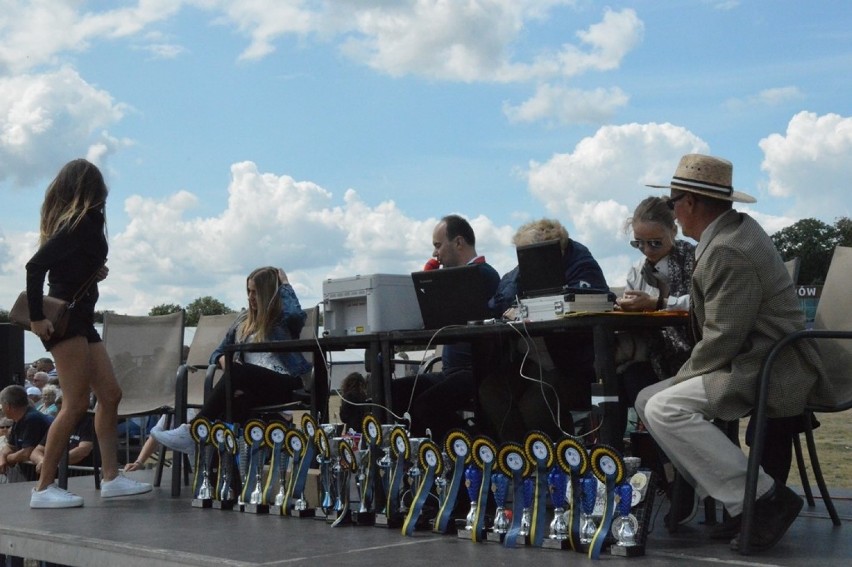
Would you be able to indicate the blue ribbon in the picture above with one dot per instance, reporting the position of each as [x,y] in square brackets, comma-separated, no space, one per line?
[538,519]
[606,520]
[273,476]
[301,465]
[450,495]
[419,499]
[392,502]
[481,501]
[517,509]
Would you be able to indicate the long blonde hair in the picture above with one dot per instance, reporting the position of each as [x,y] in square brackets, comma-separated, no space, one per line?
[77,189]
[259,323]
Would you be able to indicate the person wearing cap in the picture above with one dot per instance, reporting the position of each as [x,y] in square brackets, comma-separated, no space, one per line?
[34,395]
[742,301]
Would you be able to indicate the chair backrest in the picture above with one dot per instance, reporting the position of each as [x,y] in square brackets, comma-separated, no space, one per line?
[793,268]
[145,351]
[834,313]
[311,328]
[209,333]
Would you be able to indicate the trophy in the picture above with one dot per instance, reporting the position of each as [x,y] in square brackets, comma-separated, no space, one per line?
[430,465]
[347,467]
[625,526]
[539,451]
[502,517]
[301,455]
[368,472]
[608,468]
[202,490]
[589,494]
[225,496]
[274,486]
[252,496]
[413,474]
[513,463]
[573,459]
[326,455]
[478,480]
[458,451]
[557,480]
[398,454]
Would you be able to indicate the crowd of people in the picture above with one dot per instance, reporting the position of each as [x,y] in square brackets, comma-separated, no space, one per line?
[733,284]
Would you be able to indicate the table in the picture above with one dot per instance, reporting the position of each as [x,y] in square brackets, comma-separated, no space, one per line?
[380,348]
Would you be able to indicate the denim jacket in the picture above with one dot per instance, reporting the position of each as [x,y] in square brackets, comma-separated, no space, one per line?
[288,327]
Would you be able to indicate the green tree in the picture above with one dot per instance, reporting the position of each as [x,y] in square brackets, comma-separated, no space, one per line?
[165,309]
[813,241]
[4,316]
[204,306]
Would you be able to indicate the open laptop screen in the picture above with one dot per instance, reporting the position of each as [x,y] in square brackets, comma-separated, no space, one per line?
[540,270]
[451,296]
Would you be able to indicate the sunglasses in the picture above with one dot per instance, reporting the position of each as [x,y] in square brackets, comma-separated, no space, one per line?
[670,203]
[654,243]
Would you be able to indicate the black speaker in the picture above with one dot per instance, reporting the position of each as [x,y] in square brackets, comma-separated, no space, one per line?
[11,355]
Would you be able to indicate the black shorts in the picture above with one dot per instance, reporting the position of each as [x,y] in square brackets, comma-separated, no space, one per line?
[80,324]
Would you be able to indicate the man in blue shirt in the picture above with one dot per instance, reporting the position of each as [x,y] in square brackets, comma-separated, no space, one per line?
[28,430]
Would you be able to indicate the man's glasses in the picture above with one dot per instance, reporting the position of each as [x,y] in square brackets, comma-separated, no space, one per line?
[670,203]
[654,243]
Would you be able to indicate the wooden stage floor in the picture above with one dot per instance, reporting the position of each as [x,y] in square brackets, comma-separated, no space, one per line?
[155,529]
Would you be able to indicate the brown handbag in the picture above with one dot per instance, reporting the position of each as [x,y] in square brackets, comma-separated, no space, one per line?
[56,310]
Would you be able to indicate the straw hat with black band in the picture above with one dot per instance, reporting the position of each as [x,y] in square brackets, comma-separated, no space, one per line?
[706,175]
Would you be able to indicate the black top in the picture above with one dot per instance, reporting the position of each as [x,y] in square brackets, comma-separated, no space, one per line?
[30,430]
[71,256]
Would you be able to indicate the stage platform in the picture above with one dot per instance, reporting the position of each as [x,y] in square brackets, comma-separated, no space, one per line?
[156,530]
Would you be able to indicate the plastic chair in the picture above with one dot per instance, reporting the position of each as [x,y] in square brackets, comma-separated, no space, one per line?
[832,331]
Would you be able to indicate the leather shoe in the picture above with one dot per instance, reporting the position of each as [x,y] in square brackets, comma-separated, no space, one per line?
[773,517]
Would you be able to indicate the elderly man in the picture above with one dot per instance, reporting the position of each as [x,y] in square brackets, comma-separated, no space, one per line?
[28,430]
[743,300]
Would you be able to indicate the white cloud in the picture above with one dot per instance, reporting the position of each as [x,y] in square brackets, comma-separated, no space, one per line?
[35,33]
[47,119]
[568,106]
[810,164]
[767,97]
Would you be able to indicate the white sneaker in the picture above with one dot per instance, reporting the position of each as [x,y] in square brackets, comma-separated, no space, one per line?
[54,497]
[123,486]
[178,439]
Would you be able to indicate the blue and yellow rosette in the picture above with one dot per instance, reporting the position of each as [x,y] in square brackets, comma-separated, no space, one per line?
[274,437]
[254,436]
[539,451]
[431,462]
[400,449]
[457,445]
[484,453]
[513,462]
[608,467]
[226,447]
[323,444]
[200,429]
[372,432]
[301,452]
[572,458]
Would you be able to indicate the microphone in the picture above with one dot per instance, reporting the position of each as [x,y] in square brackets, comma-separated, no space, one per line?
[431,264]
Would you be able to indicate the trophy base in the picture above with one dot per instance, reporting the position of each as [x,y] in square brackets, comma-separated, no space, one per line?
[494,537]
[344,518]
[275,510]
[306,513]
[202,502]
[256,508]
[320,514]
[385,521]
[559,544]
[627,550]
[363,518]
[224,504]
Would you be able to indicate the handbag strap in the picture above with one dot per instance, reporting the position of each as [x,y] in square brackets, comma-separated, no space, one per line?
[84,289]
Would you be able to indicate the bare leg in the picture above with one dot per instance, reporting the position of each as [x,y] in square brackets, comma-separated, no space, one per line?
[108,392]
[73,365]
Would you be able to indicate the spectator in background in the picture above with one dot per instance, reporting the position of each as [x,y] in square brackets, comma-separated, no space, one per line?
[30,372]
[30,427]
[80,446]
[34,395]
[40,379]
[49,400]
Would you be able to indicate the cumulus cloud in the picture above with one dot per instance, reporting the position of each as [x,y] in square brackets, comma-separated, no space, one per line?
[810,164]
[46,118]
[35,33]
[568,106]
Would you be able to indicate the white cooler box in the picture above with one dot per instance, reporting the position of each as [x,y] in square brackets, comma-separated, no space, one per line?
[550,307]
[370,304]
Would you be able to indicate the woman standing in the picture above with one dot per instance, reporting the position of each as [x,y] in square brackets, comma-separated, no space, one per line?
[257,378]
[73,248]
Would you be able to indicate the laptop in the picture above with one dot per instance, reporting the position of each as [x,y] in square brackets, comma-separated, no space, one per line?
[540,270]
[451,296]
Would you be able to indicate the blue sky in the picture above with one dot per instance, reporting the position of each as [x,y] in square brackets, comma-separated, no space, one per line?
[329,137]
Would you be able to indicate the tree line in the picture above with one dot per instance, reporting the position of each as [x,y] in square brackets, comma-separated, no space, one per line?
[811,240]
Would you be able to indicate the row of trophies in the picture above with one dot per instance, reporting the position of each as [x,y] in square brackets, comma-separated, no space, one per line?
[562,495]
